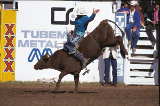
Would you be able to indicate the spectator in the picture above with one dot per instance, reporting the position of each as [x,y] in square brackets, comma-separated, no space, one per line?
[156,17]
[147,24]
[110,56]
[133,26]
[149,30]
[156,21]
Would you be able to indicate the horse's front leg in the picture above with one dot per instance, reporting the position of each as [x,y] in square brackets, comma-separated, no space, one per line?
[61,75]
[76,80]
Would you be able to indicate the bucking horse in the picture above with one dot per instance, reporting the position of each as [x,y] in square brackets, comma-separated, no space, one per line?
[91,46]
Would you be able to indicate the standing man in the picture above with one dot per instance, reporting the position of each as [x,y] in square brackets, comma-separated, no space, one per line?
[110,58]
[133,26]
[156,21]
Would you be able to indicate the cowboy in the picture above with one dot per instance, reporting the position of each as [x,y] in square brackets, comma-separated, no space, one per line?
[133,25]
[74,37]
[110,55]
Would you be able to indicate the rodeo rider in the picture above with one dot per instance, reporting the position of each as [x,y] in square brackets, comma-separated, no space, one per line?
[74,37]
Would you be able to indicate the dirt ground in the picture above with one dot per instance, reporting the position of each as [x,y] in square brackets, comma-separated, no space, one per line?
[90,94]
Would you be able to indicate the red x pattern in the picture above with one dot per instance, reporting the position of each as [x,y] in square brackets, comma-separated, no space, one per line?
[9,29]
[9,66]
[9,41]
[9,53]
[8,50]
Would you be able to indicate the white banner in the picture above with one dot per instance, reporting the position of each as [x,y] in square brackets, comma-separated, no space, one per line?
[41,28]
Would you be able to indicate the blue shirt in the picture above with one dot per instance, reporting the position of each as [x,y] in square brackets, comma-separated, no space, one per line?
[136,19]
[81,24]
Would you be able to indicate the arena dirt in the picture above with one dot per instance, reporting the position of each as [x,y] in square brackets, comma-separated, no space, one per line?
[90,94]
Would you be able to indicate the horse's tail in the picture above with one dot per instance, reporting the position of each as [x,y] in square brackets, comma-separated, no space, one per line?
[123,51]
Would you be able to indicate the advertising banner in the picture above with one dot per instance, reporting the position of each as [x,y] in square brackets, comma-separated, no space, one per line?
[42,28]
[7,45]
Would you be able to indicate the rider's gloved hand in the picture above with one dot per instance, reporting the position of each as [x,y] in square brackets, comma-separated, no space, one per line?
[95,11]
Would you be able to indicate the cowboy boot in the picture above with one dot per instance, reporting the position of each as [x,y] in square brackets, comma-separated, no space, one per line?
[84,63]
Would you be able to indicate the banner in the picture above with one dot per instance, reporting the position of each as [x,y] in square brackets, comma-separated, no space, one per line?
[7,45]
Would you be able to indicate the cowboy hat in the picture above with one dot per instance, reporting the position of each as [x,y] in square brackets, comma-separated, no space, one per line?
[81,11]
[133,3]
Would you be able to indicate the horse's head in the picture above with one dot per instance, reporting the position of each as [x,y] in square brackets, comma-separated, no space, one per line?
[42,63]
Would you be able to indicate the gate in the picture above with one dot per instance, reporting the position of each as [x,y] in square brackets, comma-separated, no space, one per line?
[140,68]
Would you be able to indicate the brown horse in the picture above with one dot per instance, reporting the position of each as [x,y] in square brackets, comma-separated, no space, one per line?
[91,47]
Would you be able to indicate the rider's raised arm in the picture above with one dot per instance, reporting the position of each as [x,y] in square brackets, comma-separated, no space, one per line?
[95,11]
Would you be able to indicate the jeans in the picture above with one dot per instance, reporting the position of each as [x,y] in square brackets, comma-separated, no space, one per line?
[70,47]
[128,31]
[76,40]
[132,36]
[113,62]
[71,42]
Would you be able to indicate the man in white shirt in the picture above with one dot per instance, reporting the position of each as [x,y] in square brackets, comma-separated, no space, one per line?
[110,57]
